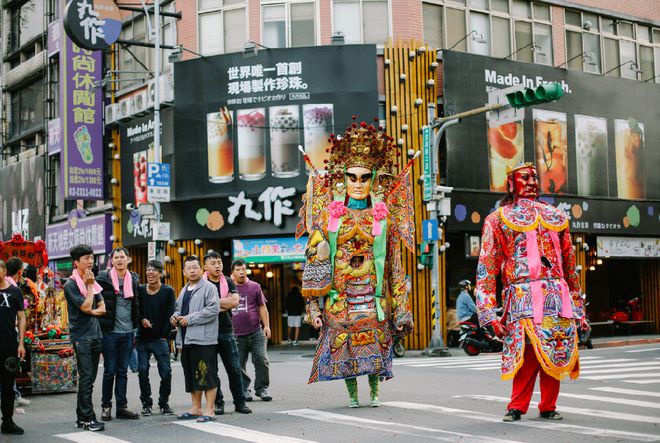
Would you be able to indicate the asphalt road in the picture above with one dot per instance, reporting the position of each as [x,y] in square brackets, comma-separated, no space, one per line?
[459,398]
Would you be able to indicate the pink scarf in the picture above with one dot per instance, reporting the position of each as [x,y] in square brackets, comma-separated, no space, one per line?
[224,287]
[81,284]
[128,282]
[10,280]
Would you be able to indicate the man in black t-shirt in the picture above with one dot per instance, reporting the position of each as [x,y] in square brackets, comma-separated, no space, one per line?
[156,305]
[11,346]
[227,347]
[85,305]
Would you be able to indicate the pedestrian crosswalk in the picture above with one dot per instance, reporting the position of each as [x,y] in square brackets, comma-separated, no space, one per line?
[627,370]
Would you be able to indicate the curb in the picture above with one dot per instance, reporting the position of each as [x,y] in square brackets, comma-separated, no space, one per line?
[632,342]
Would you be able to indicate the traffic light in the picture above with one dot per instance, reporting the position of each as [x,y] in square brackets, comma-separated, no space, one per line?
[425,256]
[529,97]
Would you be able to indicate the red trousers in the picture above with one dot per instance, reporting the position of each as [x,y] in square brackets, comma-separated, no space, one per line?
[524,381]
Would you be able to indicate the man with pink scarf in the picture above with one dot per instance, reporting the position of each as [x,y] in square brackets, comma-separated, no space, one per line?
[121,318]
[85,305]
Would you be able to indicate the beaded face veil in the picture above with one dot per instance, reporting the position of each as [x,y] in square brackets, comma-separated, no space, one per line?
[363,147]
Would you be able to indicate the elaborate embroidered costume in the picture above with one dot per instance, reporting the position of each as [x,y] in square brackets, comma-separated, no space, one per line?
[527,243]
[353,278]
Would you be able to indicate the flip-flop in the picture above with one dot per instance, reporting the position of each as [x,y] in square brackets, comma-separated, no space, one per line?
[187,416]
[205,419]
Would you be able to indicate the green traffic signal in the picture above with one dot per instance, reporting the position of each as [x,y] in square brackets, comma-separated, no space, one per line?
[529,97]
[426,254]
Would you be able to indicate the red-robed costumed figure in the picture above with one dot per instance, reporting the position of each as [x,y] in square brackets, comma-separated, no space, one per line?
[527,243]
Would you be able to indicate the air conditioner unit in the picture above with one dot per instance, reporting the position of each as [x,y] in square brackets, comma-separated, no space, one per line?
[125,109]
[166,90]
[111,112]
[140,103]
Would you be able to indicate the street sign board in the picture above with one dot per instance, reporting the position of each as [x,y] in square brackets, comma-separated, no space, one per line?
[158,182]
[151,250]
[430,230]
[427,165]
[507,114]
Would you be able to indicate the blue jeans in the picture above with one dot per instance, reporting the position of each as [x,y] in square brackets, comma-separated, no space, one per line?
[133,360]
[161,353]
[254,343]
[228,351]
[117,348]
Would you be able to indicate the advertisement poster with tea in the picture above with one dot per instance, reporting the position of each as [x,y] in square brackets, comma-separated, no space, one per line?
[598,140]
[22,200]
[240,118]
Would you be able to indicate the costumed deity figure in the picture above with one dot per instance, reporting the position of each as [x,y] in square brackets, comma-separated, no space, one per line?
[357,214]
[527,243]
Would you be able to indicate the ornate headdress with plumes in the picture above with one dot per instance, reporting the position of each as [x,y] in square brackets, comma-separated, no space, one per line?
[510,170]
[362,145]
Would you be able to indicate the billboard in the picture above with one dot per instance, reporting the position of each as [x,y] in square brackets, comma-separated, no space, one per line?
[22,200]
[588,215]
[239,119]
[94,231]
[270,250]
[137,150]
[81,98]
[598,140]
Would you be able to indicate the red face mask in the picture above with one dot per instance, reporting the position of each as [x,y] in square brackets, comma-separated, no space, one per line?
[525,183]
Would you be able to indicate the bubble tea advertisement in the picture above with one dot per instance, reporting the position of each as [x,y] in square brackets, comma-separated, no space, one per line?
[243,121]
[595,142]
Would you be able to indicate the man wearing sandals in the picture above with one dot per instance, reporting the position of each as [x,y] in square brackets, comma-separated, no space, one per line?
[196,317]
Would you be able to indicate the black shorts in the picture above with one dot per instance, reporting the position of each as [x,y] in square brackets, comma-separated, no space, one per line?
[200,367]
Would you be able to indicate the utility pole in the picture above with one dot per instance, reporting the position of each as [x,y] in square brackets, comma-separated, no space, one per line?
[436,347]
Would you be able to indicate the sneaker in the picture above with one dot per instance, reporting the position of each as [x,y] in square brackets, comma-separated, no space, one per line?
[219,409]
[22,401]
[295,343]
[9,427]
[92,425]
[512,415]
[354,403]
[243,409]
[106,413]
[126,414]
[289,341]
[166,410]
[263,395]
[248,395]
[146,411]
[375,402]
[551,415]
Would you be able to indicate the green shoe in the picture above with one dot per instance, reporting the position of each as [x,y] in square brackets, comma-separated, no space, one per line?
[354,403]
[375,402]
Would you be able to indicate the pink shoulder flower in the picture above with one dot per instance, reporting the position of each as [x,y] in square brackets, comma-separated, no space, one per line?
[380,211]
[337,209]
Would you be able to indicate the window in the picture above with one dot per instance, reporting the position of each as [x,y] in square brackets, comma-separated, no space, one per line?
[362,21]
[221,26]
[619,54]
[525,34]
[433,29]
[27,109]
[289,24]
[26,23]
[137,62]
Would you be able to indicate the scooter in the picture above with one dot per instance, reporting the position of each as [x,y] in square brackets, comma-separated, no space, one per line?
[398,345]
[475,339]
[584,337]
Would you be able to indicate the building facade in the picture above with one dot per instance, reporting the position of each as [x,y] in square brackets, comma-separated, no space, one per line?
[595,46]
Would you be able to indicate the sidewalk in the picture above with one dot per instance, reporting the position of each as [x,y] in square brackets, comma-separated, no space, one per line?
[308,347]
[624,340]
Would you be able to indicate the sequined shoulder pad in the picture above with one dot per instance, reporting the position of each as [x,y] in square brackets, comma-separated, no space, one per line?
[523,218]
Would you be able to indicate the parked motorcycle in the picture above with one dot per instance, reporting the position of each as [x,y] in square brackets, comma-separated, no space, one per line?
[398,346]
[475,339]
[632,310]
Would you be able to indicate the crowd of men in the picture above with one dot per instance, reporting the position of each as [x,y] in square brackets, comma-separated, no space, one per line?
[112,313]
